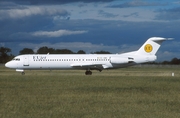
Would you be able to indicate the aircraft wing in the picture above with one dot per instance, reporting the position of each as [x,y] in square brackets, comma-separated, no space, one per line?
[88,66]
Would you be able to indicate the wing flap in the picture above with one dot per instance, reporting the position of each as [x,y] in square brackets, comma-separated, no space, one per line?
[85,65]
[88,66]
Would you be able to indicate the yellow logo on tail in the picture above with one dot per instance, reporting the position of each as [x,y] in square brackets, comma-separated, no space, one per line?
[148,48]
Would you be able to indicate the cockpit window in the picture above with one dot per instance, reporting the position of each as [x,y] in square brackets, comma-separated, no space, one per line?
[16,59]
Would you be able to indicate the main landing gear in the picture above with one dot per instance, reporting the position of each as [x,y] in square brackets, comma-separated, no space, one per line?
[88,72]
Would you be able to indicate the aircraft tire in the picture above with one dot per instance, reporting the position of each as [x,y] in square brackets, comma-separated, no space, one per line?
[88,73]
[23,73]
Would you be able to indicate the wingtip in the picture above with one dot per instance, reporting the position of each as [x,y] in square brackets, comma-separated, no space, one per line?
[170,38]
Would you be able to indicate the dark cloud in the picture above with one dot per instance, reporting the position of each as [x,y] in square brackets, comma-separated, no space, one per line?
[39,2]
[135,14]
[10,5]
[136,4]
[168,14]
[106,14]
[18,22]
[14,11]
[107,32]
[110,33]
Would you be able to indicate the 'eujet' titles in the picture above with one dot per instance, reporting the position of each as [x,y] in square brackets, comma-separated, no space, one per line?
[39,57]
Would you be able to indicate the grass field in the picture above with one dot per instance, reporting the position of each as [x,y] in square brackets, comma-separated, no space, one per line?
[135,92]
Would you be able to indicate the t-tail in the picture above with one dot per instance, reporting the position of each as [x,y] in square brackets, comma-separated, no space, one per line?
[151,46]
[147,52]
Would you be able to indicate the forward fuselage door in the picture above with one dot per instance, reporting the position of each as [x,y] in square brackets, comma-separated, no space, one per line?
[26,61]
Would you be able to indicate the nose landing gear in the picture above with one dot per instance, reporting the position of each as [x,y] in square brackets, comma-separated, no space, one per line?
[88,72]
[23,73]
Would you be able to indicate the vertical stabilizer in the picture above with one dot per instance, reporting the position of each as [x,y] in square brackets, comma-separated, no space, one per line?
[151,46]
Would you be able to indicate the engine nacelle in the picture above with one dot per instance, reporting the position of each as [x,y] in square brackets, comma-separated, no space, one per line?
[143,59]
[119,60]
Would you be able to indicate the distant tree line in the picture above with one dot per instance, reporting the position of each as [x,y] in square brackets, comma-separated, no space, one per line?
[174,61]
[5,54]
[46,50]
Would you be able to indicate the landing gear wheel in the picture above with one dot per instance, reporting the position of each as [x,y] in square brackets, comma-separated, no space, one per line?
[23,73]
[88,73]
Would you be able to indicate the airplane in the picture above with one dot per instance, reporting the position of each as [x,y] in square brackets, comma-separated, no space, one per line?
[87,62]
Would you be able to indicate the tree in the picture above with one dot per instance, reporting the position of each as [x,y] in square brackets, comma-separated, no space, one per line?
[64,51]
[81,52]
[26,51]
[175,61]
[42,50]
[51,51]
[46,50]
[165,62]
[101,52]
[4,56]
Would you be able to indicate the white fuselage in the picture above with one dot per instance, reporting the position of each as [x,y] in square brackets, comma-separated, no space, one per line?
[76,61]
[88,62]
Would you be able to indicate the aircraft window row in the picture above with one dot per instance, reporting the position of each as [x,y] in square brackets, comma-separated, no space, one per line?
[16,59]
[72,60]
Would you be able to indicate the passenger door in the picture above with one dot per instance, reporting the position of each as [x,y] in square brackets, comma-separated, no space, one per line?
[26,61]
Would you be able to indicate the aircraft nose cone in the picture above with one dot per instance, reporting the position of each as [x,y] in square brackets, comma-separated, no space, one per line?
[7,64]
[10,65]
